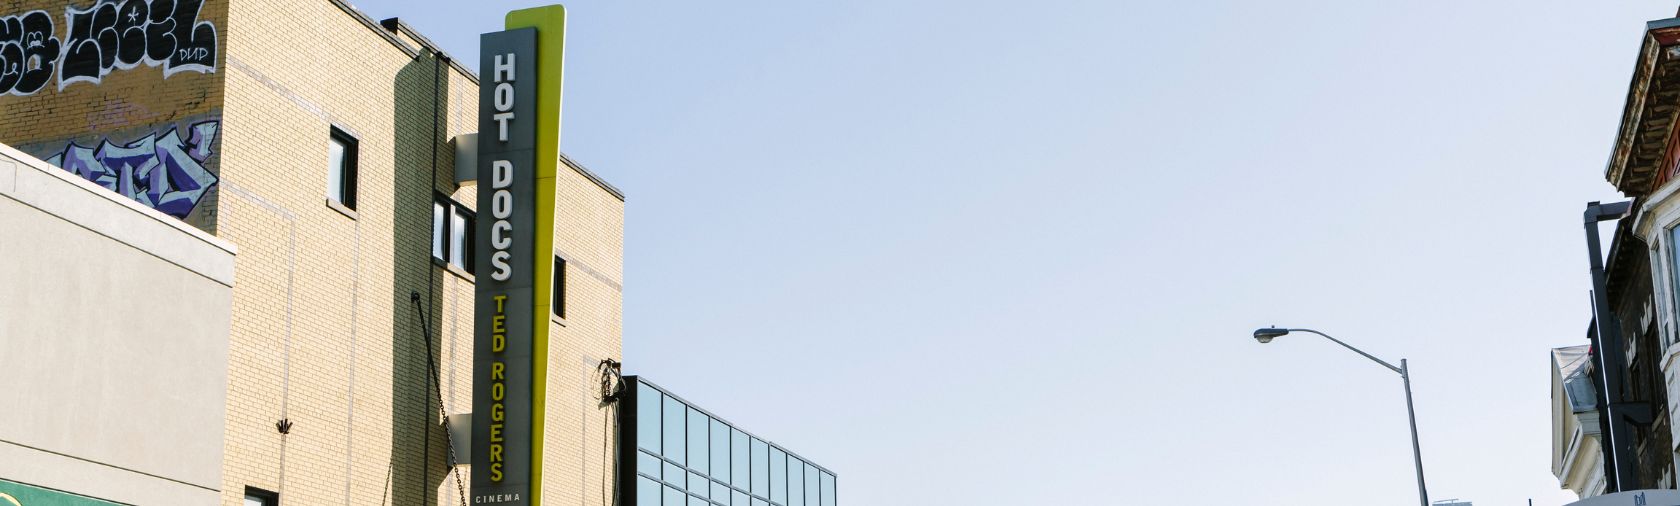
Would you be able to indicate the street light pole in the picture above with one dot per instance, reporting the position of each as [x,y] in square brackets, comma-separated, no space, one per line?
[1621,467]
[1411,416]
[1267,334]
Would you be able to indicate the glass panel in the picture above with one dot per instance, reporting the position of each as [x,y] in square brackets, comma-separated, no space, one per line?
[673,496]
[796,482]
[720,450]
[674,475]
[1674,269]
[759,502]
[335,170]
[458,232]
[698,426]
[720,492]
[739,465]
[648,464]
[696,501]
[760,467]
[647,492]
[811,485]
[778,475]
[647,417]
[697,484]
[828,490]
[437,230]
[675,412]
[740,499]
[558,306]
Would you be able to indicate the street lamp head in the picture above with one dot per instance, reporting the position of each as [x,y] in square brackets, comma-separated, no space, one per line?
[1266,335]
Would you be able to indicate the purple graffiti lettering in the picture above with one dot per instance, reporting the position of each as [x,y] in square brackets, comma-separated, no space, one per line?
[161,171]
[130,163]
[203,134]
[186,177]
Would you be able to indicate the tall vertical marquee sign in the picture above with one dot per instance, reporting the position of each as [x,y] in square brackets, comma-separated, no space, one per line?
[503,323]
[518,158]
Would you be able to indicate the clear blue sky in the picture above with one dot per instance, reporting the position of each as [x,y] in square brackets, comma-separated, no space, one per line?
[1006,253]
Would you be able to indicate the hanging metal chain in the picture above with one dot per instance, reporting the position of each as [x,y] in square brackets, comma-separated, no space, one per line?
[437,391]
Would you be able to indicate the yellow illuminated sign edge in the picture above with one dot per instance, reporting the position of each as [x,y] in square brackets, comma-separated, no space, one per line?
[550,22]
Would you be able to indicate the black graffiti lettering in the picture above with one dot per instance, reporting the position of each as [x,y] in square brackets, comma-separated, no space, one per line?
[132,18]
[105,31]
[160,31]
[82,59]
[11,53]
[11,65]
[28,52]
[123,35]
[195,41]
[40,52]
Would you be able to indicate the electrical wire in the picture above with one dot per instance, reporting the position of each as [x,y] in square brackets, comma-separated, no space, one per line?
[612,387]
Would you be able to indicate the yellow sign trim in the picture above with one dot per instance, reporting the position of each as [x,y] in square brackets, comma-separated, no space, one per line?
[550,22]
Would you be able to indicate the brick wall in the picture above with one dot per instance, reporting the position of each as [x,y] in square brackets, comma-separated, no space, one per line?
[335,345]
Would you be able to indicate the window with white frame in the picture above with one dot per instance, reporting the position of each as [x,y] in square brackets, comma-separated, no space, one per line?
[452,226]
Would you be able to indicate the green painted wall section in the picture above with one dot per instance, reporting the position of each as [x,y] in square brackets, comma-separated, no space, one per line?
[18,494]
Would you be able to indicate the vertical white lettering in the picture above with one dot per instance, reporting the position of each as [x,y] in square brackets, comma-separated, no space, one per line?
[502,125]
[499,260]
[500,235]
[501,205]
[504,68]
[501,174]
[504,97]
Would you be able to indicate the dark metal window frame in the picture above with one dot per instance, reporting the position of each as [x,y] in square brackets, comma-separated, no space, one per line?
[445,239]
[557,302]
[268,498]
[347,176]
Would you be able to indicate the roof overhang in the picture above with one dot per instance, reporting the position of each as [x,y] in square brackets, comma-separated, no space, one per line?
[1642,150]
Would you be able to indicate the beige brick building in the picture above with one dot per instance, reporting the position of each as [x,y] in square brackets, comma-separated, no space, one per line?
[223,113]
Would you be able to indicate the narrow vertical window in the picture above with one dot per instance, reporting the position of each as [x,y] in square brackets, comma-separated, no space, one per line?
[439,229]
[559,301]
[1674,288]
[341,168]
[460,229]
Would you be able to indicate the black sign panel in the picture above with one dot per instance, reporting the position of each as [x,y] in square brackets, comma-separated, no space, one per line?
[506,269]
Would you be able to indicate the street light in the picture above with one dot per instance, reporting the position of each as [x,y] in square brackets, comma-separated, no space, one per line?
[1266,335]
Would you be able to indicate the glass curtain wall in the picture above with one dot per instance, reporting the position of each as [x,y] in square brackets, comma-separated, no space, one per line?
[686,457]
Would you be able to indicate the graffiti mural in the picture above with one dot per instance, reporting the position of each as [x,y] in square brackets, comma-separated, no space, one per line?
[105,37]
[163,171]
[123,35]
[29,51]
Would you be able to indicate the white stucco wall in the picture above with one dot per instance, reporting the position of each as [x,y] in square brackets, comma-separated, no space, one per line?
[113,342]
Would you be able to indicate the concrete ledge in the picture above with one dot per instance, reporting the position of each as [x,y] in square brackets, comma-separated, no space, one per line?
[52,190]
